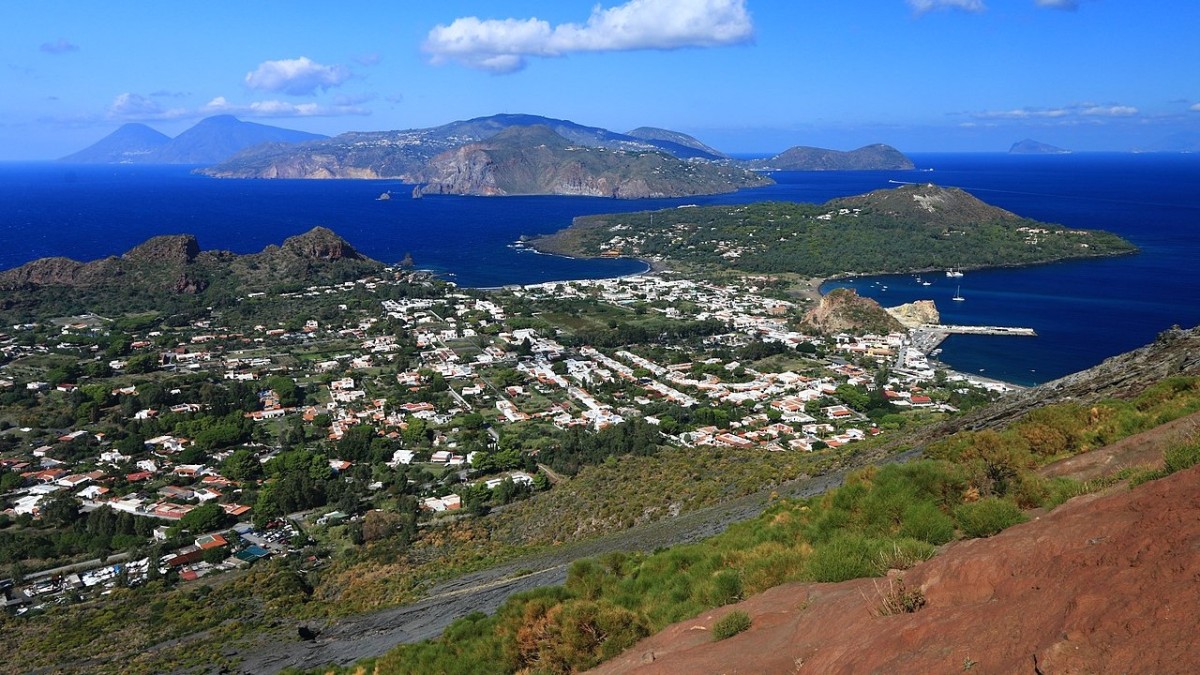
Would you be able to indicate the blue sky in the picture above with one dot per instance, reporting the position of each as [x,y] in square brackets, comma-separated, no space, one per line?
[742,75]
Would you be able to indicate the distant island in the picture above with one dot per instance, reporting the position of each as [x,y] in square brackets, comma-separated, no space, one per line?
[1032,147]
[535,160]
[876,157]
[211,140]
[497,155]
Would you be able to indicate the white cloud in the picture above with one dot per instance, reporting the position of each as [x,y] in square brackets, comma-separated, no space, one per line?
[1069,5]
[1022,114]
[273,108]
[299,77]
[129,106]
[502,45]
[1108,111]
[59,46]
[1195,107]
[925,6]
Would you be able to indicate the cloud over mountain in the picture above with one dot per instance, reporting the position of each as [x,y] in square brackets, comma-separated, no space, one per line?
[298,77]
[135,107]
[502,45]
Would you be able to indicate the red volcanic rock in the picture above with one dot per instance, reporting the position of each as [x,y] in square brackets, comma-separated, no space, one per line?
[1104,584]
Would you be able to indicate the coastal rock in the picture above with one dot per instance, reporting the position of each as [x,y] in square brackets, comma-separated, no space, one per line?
[916,314]
[844,310]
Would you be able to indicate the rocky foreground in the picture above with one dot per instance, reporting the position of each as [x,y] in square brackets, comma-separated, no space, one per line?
[1105,583]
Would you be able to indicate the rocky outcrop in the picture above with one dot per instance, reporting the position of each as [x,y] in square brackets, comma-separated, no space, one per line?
[843,310]
[916,314]
[1103,584]
[171,249]
[321,243]
[174,264]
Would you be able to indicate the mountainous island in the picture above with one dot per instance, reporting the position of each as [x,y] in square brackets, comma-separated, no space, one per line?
[507,154]
[211,140]
[910,228]
[536,160]
[1032,147]
[803,158]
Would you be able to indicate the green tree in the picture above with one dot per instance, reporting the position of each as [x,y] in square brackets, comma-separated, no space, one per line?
[205,518]
[242,465]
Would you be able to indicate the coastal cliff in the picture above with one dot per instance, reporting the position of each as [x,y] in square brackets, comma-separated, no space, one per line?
[536,160]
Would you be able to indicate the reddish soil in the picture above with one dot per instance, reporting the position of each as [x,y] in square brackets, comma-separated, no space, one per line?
[1104,584]
[1140,450]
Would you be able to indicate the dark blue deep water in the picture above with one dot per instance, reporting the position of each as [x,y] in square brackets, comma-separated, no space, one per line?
[1083,311]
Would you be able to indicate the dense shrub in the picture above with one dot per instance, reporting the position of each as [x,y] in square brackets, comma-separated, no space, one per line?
[987,517]
[926,522]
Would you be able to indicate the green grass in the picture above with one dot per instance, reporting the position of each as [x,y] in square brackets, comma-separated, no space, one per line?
[731,624]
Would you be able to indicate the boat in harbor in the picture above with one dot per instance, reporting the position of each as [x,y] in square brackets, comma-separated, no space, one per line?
[953,273]
[958,295]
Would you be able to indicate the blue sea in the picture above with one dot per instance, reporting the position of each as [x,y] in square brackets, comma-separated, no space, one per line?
[1083,311]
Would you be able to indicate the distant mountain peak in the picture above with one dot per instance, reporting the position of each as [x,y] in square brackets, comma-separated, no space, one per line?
[211,140]
[131,143]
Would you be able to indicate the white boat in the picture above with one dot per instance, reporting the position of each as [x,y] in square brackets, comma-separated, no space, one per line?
[958,295]
[953,273]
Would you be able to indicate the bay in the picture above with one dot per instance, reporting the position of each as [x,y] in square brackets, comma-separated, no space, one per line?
[1083,311]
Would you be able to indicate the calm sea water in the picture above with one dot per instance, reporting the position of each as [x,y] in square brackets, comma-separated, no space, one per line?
[1083,312]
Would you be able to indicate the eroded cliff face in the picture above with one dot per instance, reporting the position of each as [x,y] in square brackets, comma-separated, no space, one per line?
[916,314]
[466,171]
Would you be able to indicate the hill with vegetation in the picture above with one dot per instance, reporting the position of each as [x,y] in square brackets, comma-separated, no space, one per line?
[171,271]
[677,138]
[536,160]
[804,158]
[213,139]
[910,228]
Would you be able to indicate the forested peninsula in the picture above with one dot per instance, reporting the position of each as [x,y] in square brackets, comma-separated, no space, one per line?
[910,228]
